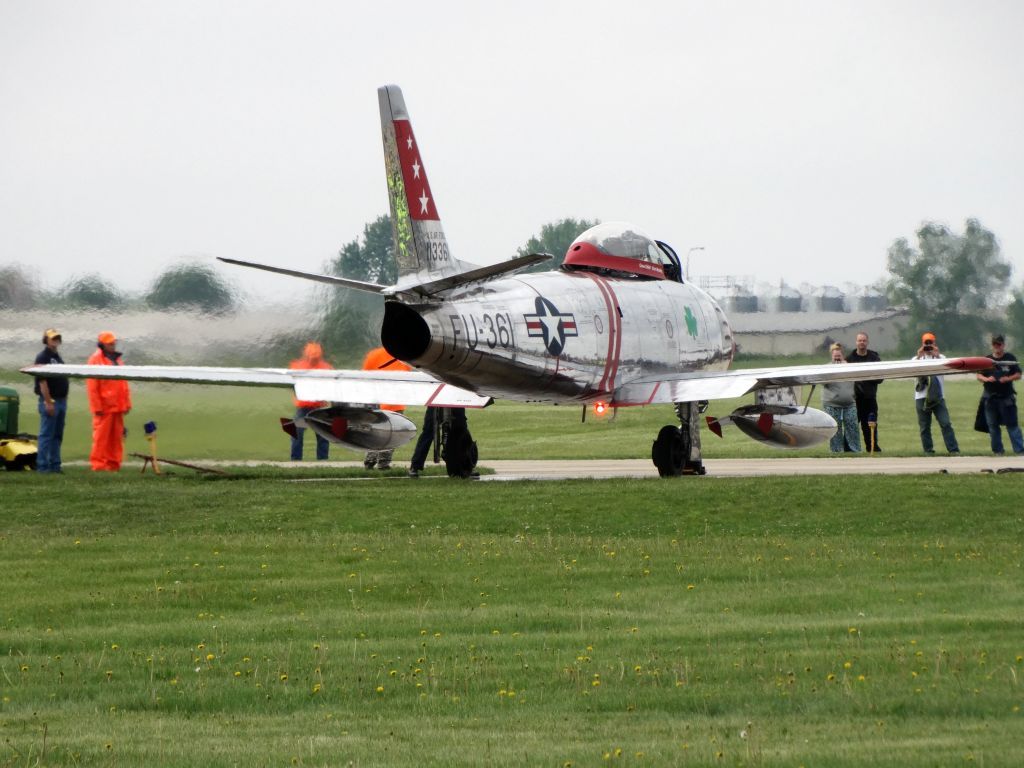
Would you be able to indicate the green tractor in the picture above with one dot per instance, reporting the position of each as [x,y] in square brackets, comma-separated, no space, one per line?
[17,449]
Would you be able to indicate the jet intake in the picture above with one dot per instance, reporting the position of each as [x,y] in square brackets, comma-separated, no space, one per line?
[359,428]
[404,333]
[780,426]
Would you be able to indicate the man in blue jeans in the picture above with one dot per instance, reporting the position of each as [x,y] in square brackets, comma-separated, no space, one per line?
[930,399]
[53,405]
[1000,398]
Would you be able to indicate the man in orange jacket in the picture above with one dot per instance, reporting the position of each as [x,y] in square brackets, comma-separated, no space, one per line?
[381,359]
[312,357]
[109,401]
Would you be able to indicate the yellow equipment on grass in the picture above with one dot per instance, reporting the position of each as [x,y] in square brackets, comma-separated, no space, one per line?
[17,449]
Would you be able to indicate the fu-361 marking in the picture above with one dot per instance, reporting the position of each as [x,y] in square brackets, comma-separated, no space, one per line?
[493,329]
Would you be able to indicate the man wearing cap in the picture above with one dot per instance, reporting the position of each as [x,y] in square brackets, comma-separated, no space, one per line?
[837,399]
[53,405]
[109,401]
[930,398]
[1000,399]
[312,358]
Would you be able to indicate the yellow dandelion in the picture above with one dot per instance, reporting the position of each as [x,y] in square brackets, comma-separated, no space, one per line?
[380,689]
[284,677]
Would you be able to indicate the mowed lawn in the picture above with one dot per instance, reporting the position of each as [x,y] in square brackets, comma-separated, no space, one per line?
[258,621]
[196,422]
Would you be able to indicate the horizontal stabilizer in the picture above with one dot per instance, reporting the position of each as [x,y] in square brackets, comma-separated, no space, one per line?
[476,275]
[344,282]
[428,288]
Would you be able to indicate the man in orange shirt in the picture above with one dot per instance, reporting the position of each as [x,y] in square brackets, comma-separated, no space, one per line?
[109,401]
[312,357]
[375,360]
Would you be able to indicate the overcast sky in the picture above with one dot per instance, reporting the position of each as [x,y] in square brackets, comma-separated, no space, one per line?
[790,140]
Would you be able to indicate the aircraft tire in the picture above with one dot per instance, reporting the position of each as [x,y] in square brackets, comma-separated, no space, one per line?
[460,453]
[669,451]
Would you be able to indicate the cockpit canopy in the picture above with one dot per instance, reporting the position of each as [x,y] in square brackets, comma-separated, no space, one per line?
[620,249]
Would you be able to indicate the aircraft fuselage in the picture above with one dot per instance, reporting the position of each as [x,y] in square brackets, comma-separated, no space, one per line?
[567,336]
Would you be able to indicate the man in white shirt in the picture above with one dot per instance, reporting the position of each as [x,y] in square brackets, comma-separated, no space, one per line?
[929,398]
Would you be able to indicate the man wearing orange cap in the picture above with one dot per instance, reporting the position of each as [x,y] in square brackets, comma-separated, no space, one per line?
[376,360]
[312,358]
[930,398]
[109,401]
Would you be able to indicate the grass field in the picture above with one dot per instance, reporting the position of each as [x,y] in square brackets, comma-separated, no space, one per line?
[254,621]
[241,423]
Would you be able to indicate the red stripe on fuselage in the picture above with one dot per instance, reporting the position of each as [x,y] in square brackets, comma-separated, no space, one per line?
[611,364]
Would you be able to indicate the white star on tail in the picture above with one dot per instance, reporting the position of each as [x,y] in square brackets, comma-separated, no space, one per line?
[416,169]
[423,202]
[408,143]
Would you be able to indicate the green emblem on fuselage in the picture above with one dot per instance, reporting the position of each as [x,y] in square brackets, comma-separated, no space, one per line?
[691,323]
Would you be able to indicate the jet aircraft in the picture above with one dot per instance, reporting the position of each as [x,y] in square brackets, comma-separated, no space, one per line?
[617,324]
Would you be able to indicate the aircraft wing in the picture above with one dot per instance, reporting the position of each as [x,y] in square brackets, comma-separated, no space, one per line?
[336,386]
[720,385]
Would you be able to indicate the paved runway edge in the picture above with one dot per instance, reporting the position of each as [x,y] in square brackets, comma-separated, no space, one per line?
[608,468]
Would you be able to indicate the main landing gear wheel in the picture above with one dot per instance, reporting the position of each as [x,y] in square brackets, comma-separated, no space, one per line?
[670,451]
[460,452]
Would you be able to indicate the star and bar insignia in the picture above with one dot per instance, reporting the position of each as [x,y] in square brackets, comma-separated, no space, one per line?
[551,325]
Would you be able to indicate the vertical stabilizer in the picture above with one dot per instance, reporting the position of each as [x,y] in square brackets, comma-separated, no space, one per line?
[421,248]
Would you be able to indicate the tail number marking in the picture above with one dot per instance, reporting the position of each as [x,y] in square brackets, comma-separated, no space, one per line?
[495,329]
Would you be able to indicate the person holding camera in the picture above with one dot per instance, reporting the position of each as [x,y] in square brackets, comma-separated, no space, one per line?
[929,399]
[999,398]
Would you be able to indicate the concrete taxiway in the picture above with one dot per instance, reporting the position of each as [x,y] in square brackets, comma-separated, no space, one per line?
[760,467]
[604,468]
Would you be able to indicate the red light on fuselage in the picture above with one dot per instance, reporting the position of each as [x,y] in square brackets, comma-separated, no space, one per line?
[600,409]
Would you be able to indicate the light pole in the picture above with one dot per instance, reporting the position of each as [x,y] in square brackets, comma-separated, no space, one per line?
[695,248]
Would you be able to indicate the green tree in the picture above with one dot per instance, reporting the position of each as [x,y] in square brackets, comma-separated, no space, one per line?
[193,285]
[90,291]
[950,283]
[18,290]
[1015,316]
[351,319]
[555,238]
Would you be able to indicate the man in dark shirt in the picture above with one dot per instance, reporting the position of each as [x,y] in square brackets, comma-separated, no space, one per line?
[999,397]
[865,393]
[53,405]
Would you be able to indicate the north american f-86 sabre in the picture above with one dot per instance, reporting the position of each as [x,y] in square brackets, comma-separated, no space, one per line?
[617,324]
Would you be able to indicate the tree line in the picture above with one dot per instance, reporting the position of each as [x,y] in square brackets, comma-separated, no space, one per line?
[954,284]
[192,286]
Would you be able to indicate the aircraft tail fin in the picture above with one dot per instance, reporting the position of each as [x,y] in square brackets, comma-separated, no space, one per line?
[421,248]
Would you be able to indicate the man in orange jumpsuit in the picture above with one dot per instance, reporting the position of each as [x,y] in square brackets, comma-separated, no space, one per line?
[381,359]
[312,357]
[109,401]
